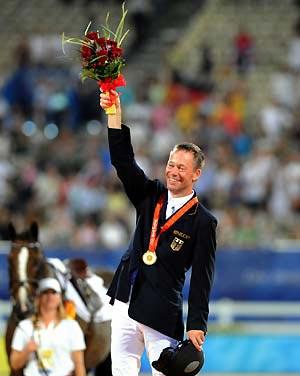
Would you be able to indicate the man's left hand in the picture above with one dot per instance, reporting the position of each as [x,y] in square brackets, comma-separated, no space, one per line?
[197,337]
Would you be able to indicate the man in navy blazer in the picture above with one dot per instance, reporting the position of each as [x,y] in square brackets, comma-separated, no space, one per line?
[174,232]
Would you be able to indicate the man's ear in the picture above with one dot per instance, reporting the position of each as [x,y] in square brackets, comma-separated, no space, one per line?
[197,175]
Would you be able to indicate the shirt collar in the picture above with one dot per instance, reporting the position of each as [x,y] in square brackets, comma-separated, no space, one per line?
[178,201]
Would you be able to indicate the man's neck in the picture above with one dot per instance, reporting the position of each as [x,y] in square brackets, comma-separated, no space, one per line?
[179,195]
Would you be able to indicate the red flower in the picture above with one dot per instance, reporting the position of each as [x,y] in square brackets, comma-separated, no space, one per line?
[102,57]
[92,35]
[86,52]
[102,52]
[101,42]
[116,52]
[111,43]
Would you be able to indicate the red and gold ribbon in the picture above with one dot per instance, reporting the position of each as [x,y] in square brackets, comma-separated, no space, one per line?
[154,236]
[111,84]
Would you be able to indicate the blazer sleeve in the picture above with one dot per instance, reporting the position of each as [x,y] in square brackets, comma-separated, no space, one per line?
[135,182]
[203,266]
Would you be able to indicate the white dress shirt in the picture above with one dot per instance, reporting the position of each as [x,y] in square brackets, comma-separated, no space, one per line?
[175,203]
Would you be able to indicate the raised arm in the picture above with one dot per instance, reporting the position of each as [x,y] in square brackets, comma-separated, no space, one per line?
[136,184]
[114,121]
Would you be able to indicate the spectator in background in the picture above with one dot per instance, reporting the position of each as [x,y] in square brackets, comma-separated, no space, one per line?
[294,48]
[256,177]
[18,88]
[283,87]
[229,117]
[48,343]
[140,11]
[206,67]
[86,233]
[207,61]
[244,54]
[138,114]
[294,133]
[112,233]
[275,120]
[292,176]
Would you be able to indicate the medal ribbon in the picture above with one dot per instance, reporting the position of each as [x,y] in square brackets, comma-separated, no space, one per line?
[153,237]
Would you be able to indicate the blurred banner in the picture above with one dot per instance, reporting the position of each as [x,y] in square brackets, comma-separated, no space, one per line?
[258,275]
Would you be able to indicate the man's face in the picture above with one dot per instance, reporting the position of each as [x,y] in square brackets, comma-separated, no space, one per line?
[181,173]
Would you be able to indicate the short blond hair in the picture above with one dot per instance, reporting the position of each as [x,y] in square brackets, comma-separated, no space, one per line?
[198,154]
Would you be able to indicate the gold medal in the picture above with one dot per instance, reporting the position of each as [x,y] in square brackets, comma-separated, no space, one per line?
[149,258]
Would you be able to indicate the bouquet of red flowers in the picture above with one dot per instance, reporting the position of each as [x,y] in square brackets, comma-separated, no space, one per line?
[101,57]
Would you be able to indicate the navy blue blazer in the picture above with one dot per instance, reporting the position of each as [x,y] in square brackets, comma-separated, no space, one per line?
[155,291]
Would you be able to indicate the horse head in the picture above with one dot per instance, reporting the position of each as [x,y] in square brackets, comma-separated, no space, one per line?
[26,262]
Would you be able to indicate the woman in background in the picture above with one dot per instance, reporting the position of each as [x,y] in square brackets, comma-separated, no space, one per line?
[48,344]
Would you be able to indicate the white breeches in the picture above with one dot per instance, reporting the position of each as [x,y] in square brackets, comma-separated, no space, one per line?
[129,339]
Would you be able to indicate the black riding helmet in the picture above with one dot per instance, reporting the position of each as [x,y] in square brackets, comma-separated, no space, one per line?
[183,360]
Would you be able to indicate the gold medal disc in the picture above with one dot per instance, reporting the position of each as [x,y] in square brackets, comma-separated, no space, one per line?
[149,258]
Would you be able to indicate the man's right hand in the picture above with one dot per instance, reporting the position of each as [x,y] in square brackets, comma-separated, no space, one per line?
[114,121]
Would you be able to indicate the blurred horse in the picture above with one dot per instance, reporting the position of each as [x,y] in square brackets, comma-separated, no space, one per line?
[27,265]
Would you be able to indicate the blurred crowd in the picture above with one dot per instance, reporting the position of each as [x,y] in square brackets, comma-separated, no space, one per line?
[55,167]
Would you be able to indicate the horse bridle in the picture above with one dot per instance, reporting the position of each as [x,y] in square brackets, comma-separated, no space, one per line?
[27,282]
[16,284]
[30,246]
